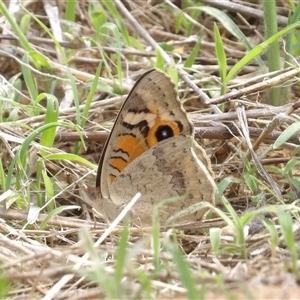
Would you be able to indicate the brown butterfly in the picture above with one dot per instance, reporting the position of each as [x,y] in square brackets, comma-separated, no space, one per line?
[151,150]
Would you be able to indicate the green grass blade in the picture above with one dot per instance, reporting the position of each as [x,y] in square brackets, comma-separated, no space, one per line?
[185,272]
[90,98]
[25,146]
[273,53]
[146,285]
[47,30]
[258,50]
[9,176]
[21,37]
[173,74]
[221,56]
[251,182]
[52,114]
[25,24]
[118,20]
[225,182]
[97,15]
[193,55]
[20,158]
[238,226]
[55,212]
[292,163]
[71,157]
[271,29]
[49,191]
[110,27]
[97,273]
[29,78]
[156,241]
[273,232]
[5,285]
[121,258]
[286,224]
[215,238]
[70,10]
[86,109]
[159,60]
[286,134]
[2,178]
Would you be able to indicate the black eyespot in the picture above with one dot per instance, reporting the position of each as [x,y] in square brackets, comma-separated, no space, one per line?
[164,132]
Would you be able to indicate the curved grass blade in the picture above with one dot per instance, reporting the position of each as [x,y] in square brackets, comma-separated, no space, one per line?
[55,212]
[258,50]
[71,157]
[22,153]
[286,134]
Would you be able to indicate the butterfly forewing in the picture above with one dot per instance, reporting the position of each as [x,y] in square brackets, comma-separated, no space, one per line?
[151,113]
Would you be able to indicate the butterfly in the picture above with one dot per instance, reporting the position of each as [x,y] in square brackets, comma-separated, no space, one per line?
[151,150]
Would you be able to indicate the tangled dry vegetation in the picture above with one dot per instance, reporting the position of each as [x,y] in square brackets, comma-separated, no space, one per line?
[46,255]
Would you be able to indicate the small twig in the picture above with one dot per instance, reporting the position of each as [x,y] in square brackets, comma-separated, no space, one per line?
[269,128]
[213,132]
[261,169]
[291,73]
[294,107]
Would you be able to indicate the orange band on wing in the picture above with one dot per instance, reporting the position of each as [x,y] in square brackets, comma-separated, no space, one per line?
[131,145]
[111,178]
[127,148]
[118,163]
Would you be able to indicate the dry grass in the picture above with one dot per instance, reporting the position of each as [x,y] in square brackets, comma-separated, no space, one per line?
[56,259]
